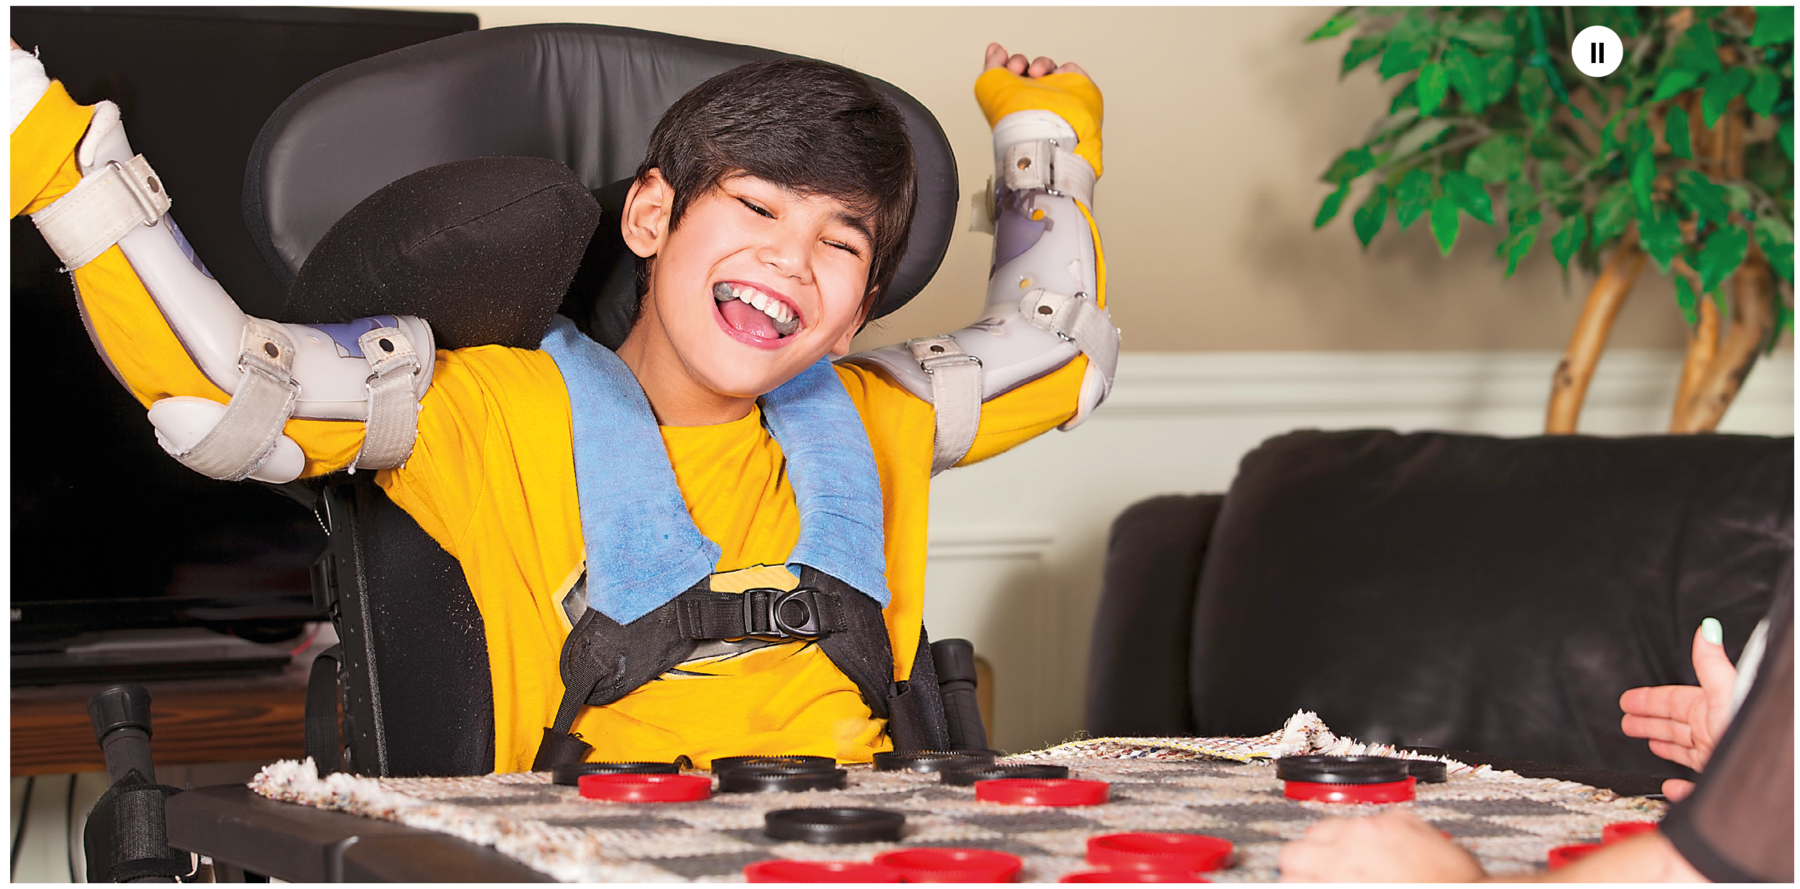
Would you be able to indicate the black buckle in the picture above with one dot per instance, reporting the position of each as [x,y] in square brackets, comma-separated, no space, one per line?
[772,614]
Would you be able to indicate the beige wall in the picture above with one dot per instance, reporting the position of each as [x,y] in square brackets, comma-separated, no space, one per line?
[1218,123]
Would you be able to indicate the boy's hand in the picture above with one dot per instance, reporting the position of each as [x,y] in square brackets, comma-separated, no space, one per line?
[1682,722]
[1017,64]
[1393,847]
[1010,83]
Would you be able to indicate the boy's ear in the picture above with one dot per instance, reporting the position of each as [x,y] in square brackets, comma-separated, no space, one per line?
[645,220]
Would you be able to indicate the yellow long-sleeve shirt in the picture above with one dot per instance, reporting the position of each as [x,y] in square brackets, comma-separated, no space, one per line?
[492,480]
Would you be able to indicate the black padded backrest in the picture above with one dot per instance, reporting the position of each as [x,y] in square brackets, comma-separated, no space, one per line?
[585,95]
[1482,593]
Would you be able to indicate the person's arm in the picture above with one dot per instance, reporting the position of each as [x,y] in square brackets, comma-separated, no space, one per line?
[1042,353]
[231,396]
[1397,847]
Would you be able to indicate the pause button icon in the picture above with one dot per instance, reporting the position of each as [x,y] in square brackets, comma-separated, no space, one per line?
[1597,51]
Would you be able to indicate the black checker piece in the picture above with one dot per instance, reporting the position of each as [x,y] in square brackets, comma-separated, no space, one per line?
[1528,807]
[719,864]
[1029,821]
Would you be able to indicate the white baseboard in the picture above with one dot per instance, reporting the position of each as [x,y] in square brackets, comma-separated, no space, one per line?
[1016,561]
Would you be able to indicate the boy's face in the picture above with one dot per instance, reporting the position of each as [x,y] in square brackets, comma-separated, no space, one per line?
[755,285]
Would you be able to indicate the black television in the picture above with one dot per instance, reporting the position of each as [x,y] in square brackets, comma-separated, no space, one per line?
[108,532]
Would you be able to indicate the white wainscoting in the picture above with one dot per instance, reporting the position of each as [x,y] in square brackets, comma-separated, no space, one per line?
[1017,543]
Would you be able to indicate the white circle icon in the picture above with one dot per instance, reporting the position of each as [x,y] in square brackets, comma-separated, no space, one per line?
[1597,51]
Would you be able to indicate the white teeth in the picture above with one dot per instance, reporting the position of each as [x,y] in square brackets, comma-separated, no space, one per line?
[778,311]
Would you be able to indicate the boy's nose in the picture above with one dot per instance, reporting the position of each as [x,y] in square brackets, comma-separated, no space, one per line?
[788,255]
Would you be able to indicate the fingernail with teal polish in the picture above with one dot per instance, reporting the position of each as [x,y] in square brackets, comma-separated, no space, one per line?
[1712,632]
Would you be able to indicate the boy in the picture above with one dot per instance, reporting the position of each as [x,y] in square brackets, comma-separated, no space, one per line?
[769,214]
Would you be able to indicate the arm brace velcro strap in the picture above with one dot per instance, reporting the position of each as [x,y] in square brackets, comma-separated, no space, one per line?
[245,436]
[103,208]
[1078,320]
[393,422]
[1045,164]
[955,396]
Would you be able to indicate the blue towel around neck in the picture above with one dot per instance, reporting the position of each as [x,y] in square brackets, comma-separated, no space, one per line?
[642,546]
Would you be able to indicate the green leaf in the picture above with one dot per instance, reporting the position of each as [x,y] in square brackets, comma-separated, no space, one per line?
[1406,97]
[1737,197]
[1371,215]
[1519,243]
[1684,297]
[1466,191]
[1403,56]
[1484,34]
[1498,159]
[1444,222]
[1698,50]
[1723,252]
[1776,238]
[1464,68]
[1417,137]
[1432,86]
[1764,92]
[1643,176]
[1677,132]
[1349,165]
[1706,198]
[1552,176]
[1720,90]
[1500,73]
[1674,80]
[1329,208]
[1568,239]
[1638,139]
[1361,50]
[1612,213]
[1661,238]
[1535,98]
[1334,26]
[1786,137]
[1412,198]
[1774,24]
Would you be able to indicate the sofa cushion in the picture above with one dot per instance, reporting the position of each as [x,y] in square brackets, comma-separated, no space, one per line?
[1481,593]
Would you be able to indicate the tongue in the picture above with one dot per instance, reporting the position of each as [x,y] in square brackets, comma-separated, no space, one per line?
[748,318]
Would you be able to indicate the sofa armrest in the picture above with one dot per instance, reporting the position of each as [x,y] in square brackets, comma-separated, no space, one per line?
[1138,663]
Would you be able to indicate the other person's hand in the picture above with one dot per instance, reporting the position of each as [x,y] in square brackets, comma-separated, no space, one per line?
[1393,847]
[1683,722]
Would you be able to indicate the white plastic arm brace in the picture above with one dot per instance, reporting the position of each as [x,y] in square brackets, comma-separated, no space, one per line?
[1042,308]
[373,370]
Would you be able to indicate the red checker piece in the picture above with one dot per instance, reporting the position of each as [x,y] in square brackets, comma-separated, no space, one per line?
[646,788]
[1563,856]
[1042,791]
[1133,876]
[1177,852]
[1625,830]
[952,865]
[1391,792]
[819,872]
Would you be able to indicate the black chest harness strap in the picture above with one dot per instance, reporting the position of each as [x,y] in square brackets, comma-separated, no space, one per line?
[603,660]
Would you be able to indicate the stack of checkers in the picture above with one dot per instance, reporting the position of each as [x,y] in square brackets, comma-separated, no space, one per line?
[958,816]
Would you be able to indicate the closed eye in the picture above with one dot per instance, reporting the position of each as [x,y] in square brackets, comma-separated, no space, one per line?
[847,248]
[756,208]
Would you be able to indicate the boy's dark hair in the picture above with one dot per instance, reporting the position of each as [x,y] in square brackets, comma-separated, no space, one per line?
[811,126]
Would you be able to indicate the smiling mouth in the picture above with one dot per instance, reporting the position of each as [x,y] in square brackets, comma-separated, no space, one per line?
[754,312]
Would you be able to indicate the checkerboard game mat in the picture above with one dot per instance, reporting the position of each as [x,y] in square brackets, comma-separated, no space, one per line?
[1223,787]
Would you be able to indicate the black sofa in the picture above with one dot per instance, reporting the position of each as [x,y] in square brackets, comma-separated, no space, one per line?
[1439,590]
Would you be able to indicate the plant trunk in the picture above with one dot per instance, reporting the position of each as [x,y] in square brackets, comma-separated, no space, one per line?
[1569,386]
[1703,344]
[1752,323]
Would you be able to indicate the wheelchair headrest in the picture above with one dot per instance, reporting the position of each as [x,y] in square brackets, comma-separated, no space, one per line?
[586,96]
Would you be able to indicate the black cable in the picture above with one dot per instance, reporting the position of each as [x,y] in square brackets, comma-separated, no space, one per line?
[19,829]
[69,822]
